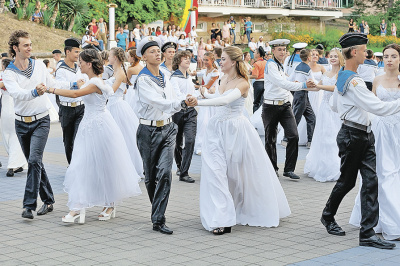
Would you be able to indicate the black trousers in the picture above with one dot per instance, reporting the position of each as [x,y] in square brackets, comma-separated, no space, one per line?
[70,117]
[187,126]
[33,137]
[258,94]
[302,107]
[369,85]
[156,146]
[272,115]
[357,153]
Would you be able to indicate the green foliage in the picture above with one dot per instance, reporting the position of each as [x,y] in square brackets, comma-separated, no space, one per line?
[20,13]
[46,17]
[30,9]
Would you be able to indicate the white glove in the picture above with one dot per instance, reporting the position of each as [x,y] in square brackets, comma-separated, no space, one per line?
[222,100]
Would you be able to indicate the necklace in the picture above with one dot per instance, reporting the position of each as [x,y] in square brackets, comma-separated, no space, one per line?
[231,80]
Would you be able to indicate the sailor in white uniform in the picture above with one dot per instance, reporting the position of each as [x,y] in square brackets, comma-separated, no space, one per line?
[71,109]
[353,101]
[294,60]
[380,64]
[155,102]
[24,78]
[168,52]
[277,108]
[367,70]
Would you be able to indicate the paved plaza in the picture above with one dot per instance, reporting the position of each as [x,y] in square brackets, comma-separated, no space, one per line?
[129,239]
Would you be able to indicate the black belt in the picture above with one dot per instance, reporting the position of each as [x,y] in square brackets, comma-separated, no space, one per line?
[357,126]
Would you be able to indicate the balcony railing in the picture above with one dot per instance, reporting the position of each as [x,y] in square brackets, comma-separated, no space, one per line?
[244,3]
[324,4]
[309,4]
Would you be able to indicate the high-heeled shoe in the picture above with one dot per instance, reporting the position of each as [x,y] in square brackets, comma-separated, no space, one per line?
[222,230]
[71,218]
[107,216]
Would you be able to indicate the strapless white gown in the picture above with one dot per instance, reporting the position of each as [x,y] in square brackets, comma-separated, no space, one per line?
[127,122]
[101,172]
[238,182]
[323,161]
[387,146]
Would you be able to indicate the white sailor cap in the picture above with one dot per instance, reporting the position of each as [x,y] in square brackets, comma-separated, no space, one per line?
[279,42]
[146,43]
[300,45]
[378,54]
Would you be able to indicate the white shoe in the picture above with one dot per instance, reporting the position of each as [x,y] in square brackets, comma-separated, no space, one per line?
[198,152]
[107,216]
[71,218]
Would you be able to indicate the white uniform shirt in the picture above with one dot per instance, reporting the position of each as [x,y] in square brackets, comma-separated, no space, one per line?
[21,88]
[290,67]
[276,85]
[136,33]
[367,71]
[65,73]
[302,73]
[164,69]
[182,85]
[357,102]
[154,100]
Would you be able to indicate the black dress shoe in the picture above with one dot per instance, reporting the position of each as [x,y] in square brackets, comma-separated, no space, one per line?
[291,175]
[27,213]
[187,179]
[276,172]
[19,169]
[10,173]
[332,227]
[163,229]
[45,209]
[376,242]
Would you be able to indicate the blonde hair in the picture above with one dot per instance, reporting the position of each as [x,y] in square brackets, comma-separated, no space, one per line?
[132,53]
[340,56]
[212,58]
[236,54]
[347,51]
[120,54]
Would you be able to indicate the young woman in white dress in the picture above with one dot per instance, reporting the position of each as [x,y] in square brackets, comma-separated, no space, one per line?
[387,147]
[16,158]
[238,182]
[132,72]
[322,161]
[120,110]
[101,172]
[210,77]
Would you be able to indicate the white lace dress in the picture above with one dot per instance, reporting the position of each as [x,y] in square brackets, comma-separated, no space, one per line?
[204,112]
[127,122]
[387,146]
[101,172]
[238,182]
[323,161]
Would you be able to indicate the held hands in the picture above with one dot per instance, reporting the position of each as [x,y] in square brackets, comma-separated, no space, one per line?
[41,89]
[311,84]
[191,101]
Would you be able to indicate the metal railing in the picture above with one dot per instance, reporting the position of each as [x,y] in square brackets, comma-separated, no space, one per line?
[243,3]
[328,4]
[318,4]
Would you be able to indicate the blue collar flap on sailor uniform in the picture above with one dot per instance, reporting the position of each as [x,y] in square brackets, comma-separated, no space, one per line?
[343,80]
[65,66]
[369,62]
[323,61]
[146,72]
[303,68]
[381,64]
[12,67]
[269,62]
[179,74]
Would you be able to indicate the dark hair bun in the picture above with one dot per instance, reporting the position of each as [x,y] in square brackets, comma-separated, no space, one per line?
[92,56]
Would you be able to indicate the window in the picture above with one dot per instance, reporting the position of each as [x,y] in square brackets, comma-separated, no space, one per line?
[201,27]
[258,27]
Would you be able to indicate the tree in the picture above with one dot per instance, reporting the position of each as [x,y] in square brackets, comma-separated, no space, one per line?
[75,9]
[55,5]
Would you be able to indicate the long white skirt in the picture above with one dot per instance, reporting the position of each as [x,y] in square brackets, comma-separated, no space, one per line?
[323,161]
[101,172]
[204,115]
[387,147]
[238,182]
[16,157]
[128,123]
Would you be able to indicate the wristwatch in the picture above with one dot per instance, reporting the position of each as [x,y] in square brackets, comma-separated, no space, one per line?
[184,105]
